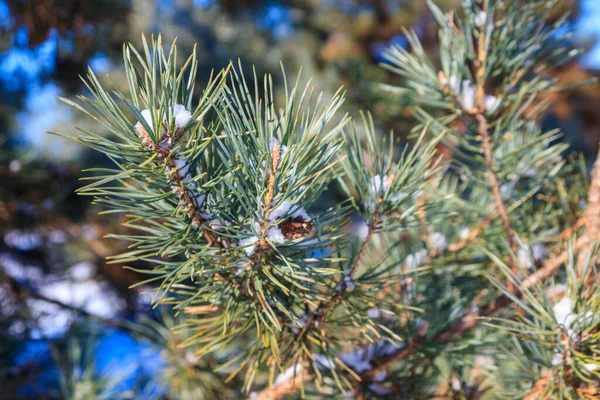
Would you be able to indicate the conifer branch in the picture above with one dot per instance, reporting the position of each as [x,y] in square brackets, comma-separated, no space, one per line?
[494,182]
[325,307]
[263,245]
[270,193]
[293,383]
[164,151]
[349,275]
[486,141]
[284,302]
[471,319]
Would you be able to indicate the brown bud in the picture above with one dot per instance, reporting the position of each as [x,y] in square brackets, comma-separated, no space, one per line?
[295,228]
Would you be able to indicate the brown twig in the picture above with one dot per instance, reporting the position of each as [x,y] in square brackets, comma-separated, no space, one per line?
[539,392]
[262,244]
[486,142]
[538,389]
[473,235]
[592,218]
[325,307]
[164,151]
[283,389]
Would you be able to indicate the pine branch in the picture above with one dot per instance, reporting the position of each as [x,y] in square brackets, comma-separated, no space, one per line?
[471,319]
[466,323]
[164,151]
[262,245]
[329,305]
[281,302]
[293,383]
[486,142]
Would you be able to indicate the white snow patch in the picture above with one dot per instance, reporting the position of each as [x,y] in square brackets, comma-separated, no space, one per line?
[379,188]
[362,230]
[290,373]
[249,244]
[591,367]
[139,127]
[181,116]
[528,255]
[275,235]
[563,312]
[350,285]
[438,241]
[360,360]
[415,260]
[480,19]
[464,233]
[467,96]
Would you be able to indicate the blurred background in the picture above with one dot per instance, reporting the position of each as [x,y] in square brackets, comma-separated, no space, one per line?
[67,317]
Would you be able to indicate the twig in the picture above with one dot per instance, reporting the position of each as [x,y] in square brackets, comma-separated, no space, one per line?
[473,235]
[263,245]
[592,218]
[538,389]
[164,152]
[282,389]
[325,307]
[486,142]
[269,195]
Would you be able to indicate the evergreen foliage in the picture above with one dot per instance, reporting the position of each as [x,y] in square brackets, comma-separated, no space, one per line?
[224,186]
